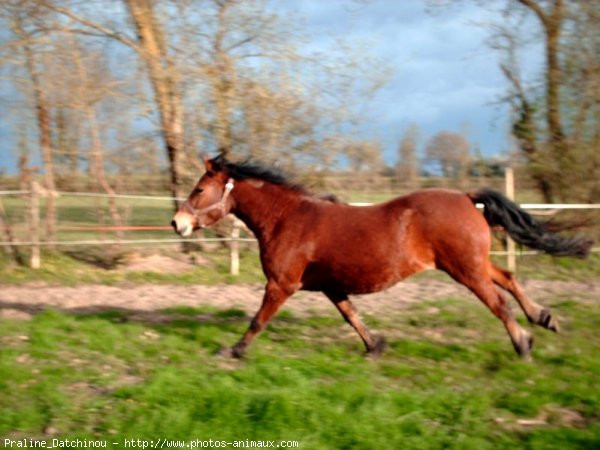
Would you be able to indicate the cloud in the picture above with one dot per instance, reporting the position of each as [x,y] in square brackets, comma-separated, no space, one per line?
[443,75]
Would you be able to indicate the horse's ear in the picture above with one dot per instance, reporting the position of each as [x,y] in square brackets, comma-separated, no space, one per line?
[208,164]
[215,164]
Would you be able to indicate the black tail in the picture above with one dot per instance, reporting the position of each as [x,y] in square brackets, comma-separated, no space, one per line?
[524,229]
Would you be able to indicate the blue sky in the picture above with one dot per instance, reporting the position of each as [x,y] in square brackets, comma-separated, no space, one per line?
[442,75]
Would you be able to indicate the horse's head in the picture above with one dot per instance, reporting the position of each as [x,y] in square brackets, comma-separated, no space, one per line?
[208,202]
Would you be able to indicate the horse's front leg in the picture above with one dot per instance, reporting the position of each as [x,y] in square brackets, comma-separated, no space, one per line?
[374,344]
[275,295]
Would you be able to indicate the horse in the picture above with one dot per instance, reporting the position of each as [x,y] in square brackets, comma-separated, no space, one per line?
[315,243]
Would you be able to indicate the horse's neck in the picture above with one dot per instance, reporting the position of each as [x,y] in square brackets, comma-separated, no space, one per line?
[261,207]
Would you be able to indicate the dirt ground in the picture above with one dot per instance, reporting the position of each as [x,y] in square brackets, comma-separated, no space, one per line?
[148,300]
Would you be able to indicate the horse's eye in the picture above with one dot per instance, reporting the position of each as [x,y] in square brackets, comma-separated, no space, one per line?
[198,190]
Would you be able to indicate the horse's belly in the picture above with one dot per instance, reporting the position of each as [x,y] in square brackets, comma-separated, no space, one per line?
[357,278]
[359,258]
[367,285]
[348,285]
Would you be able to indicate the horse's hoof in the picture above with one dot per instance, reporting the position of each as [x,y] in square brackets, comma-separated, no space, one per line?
[524,347]
[378,346]
[547,320]
[553,325]
[231,352]
[225,352]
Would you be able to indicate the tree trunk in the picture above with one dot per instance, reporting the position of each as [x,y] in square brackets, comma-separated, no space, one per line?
[552,28]
[222,76]
[97,169]
[163,78]
[552,23]
[44,130]
[8,243]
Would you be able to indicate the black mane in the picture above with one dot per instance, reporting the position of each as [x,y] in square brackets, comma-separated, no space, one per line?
[254,170]
[251,169]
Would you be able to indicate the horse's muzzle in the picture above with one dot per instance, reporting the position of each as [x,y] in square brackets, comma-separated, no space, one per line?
[182,225]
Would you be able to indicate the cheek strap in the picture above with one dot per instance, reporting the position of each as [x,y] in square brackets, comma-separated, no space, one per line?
[220,205]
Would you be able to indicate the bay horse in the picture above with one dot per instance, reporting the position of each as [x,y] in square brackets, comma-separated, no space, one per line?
[318,244]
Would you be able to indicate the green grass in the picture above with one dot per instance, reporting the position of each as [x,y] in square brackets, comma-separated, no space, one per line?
[96,265]
[548,267]
[448,380]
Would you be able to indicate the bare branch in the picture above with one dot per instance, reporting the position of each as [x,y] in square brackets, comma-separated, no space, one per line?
[536,8]
[104,31]
[19,43]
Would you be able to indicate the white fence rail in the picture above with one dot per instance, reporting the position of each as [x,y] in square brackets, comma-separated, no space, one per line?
[34,241]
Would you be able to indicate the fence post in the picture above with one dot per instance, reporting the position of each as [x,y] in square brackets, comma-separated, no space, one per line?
[34,225]
[511,257]
[234,247]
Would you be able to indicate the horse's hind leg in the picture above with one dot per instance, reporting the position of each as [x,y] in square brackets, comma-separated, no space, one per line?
[374,344]
[484,288]
[535,313]
[495,301]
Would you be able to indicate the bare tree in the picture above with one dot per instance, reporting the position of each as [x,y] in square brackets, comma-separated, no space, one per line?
[221,72]
[8,240]
[451,151]
[580,99]
[554,127]
[555,116]
[364,156]
[407,169]
[151,45]
[227,70]
[552,20]
[21,17]
[163,75]
[89,92]
[525,128]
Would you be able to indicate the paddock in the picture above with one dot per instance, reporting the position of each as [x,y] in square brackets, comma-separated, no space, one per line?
[109,363]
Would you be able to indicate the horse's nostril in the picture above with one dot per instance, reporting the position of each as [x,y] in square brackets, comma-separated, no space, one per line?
[174,225]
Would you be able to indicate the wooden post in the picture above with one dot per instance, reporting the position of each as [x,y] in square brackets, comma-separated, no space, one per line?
[34,225]
[511,258]
[234,248]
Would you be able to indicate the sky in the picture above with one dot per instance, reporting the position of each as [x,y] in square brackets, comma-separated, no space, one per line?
[442,76]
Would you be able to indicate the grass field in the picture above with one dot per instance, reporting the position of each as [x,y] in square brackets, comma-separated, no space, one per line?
[449,380]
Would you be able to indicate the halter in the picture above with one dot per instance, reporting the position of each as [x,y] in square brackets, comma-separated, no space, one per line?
[220,205]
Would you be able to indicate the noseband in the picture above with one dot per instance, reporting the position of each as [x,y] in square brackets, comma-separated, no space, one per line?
[220,205]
